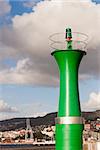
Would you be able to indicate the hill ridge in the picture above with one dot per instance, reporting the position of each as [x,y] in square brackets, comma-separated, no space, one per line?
[48,119]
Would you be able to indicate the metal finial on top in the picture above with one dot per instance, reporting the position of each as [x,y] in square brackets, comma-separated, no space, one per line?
[69,38]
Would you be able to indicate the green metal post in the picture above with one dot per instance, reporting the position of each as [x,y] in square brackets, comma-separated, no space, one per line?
[68,38]
[69,126]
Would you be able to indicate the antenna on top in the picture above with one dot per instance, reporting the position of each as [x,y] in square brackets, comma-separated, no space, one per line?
[68,37]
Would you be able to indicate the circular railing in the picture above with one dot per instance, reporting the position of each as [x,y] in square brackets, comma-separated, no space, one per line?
[59,42]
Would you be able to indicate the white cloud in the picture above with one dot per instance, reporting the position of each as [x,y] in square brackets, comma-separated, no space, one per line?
[4,7]
[25,73]
[4,107]
[93,103]
[28,38]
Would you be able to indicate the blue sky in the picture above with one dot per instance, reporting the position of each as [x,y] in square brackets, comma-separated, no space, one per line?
[96,1]
[41,96]
[18,7]
[30,96]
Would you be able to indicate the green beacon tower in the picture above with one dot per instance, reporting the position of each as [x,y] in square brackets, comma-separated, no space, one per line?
[69,125]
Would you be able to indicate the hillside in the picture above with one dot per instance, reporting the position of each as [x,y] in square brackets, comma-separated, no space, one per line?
[49,119]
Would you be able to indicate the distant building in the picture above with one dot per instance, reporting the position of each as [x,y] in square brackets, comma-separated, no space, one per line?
[98,126]
[28,132]
[87,126]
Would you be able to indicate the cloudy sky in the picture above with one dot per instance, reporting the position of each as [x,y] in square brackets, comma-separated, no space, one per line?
[29,78]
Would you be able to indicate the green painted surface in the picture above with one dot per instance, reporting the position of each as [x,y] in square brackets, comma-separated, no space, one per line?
[68,62]
[69,45]
[69,137]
